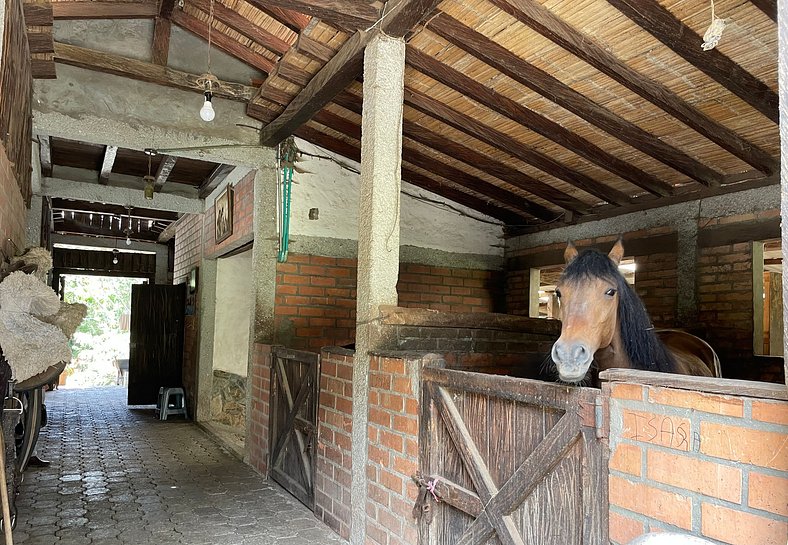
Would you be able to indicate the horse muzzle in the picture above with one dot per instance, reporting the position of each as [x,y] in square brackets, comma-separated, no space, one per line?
[572,360]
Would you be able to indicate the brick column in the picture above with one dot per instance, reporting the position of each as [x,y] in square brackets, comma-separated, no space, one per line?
[378,237]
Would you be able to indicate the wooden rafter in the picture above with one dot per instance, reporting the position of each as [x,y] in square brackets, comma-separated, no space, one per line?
[38,21]
[769,7]
[243,26]
[291,19]
[67,205]
[313,48]
[160,49]
[103,9]
[475,159]
[214,179]
[551,88]
[45,155]
[348,14]
[106,165]
[485,206]
[222,41]
[585,47]
[163,172]
[413,156]
[144,71]
[528,118]
[684,41]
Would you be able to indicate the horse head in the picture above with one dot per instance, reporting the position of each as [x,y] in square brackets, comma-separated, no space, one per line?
[588,294]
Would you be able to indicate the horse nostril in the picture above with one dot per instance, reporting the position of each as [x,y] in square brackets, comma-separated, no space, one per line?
[580,353]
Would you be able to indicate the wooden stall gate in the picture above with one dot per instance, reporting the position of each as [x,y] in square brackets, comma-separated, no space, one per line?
[294,398]
[512,461]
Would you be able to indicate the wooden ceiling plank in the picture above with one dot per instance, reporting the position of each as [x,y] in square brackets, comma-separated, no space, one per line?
[349,14]
[243,26]
[552,27]
[533,121]
[415,157]
[554,90]
[769,7]
[38,14]
[144,71]
[353,153]
[106,166]
[45,155]
[104,9]
[334,77]
[672,32]
[471,157]
[214,179]
[163,172]
[230,46]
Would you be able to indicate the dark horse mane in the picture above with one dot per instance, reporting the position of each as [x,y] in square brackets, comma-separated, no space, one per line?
[641,344]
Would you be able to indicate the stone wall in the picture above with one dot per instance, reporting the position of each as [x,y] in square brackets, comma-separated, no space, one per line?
[228,400]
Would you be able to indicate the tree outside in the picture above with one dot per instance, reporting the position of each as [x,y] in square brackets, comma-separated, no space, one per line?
[104,334]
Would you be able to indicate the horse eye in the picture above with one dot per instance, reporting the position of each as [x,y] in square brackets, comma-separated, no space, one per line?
[558,293]
[610,293]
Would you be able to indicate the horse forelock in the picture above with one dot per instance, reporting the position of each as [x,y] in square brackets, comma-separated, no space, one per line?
[643,348]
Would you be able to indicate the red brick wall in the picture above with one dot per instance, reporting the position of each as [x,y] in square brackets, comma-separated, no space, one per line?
[656,282]
[316,297]
[243,219]
[335,425]
[393,450]
[453,290]
[188,246]
[315,302]
[13,211]
[258,411]
[712,465]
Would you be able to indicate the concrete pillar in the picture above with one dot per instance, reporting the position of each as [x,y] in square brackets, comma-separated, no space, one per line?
[207,294]
[686,268]
[33,230]
[378,238]
[782,25]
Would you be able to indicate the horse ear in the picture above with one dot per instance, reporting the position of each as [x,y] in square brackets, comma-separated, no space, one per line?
[617,252]
[570,253]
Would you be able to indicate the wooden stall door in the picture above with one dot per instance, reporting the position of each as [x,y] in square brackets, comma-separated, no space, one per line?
[156,341]
[514,461]
[294,391]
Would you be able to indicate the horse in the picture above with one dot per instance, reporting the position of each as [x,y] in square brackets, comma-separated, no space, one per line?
[604,322]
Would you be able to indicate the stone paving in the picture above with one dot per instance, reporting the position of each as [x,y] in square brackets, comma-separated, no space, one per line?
[119,476]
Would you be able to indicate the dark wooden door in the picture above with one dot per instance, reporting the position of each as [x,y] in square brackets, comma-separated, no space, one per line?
[513,461]
[156,349]
[294,390]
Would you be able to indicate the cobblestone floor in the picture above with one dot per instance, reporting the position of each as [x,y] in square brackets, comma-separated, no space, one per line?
[119,476]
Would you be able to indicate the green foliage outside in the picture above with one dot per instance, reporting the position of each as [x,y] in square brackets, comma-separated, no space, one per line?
[103,335]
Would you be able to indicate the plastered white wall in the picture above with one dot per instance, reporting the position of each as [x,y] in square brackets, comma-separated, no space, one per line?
[323,184]
[234,300]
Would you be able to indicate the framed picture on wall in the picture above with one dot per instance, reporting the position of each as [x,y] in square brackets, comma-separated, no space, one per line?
[223,214]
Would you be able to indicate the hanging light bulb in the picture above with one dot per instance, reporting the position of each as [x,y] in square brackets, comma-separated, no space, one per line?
[115,253]
[207,112]
[128,240]
[149,188]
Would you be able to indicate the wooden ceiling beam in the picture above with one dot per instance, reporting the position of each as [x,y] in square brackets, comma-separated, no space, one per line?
[341,70]
[664,26]
[769,7]
[68,205]
[485,206]
[552,27]
[554,90]
[106,165]
[531,120]
[162,27]
[286,17]
[335,76]
[222,41]
[163,172]
[104,9]
[349,14]
[214,179]
[313,48]
[415,157]
[38,14]
[144,71]
[243,26]
[474,158]
[45,155]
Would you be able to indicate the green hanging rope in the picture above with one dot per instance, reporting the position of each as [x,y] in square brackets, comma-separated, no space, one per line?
[287,157]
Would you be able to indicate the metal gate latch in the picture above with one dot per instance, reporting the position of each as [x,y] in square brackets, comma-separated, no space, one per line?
[423,506]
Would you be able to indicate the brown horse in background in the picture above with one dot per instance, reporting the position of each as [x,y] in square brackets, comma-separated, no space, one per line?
[604,322]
